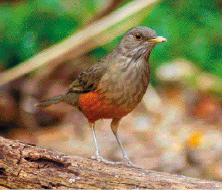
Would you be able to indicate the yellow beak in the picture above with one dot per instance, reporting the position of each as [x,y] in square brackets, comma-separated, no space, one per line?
[158,39]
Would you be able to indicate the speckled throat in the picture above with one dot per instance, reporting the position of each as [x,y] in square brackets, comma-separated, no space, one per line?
[125,82]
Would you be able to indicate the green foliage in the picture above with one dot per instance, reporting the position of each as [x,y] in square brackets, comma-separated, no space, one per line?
[32,26]
[192,28]
[193,31]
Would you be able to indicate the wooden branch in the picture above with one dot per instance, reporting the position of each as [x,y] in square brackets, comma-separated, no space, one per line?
[94,35]
[27,166]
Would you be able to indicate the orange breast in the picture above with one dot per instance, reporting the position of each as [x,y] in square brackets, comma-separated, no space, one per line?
[95,106]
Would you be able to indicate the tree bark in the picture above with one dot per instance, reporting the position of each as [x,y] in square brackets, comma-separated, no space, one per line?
[31,167]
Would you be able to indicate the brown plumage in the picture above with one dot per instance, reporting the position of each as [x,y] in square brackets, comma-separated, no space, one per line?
[115,85]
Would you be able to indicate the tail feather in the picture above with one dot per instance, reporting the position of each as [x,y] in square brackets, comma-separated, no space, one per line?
[50,101]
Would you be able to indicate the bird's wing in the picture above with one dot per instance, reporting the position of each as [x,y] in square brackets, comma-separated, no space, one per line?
[89,79]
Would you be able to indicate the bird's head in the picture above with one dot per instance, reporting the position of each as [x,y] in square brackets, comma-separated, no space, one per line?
[138,41]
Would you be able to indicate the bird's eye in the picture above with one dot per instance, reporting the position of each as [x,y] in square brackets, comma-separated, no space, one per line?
[138,36]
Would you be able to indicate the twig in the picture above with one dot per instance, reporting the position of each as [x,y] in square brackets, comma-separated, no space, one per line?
[96,34]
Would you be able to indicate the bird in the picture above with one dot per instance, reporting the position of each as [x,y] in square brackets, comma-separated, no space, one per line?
[115,85]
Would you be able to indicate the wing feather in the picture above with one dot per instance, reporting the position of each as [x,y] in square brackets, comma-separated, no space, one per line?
[88,80]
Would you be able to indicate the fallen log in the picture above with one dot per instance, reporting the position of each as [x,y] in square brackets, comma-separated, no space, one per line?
[31,167]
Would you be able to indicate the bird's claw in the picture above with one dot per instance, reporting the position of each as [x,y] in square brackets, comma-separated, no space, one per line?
[101,159]
[126,161]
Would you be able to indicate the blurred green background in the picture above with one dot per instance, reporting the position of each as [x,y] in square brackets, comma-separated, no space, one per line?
[193,29]
[181,135]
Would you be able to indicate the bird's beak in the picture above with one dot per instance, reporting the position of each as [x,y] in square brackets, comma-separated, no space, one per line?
[158,39]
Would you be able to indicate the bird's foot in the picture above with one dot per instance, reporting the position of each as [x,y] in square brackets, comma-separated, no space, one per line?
[101,159]
[127,162]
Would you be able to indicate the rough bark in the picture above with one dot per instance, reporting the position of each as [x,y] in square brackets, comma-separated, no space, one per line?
[28,166]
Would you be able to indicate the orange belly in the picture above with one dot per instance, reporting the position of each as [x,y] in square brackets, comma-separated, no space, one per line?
[95,107]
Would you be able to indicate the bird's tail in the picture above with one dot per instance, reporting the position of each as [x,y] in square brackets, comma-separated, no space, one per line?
[50,101]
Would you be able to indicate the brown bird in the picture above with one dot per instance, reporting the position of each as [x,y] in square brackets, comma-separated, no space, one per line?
[114,86]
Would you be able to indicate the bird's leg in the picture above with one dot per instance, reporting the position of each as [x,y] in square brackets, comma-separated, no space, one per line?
[114,126]
[92,125]
[97,157]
